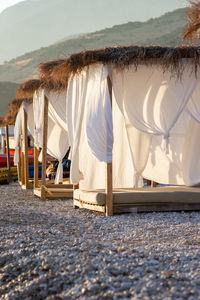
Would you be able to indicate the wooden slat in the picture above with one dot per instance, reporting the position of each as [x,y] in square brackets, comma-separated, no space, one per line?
[75,187]
[22,169]
[81,204]
[8,155]
[109,198]
[36,153]
[44,148]
[19,166]
[54,193]
[156,208]
[60,186]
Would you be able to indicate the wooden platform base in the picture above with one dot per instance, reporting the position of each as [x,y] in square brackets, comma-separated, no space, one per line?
[160,199]
[55,192]
[81,204]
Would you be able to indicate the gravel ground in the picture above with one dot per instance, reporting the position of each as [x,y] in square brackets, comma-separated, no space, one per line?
[50,251]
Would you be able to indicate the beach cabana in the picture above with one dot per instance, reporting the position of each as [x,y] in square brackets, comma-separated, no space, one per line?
[51,132]
[9,120]
[24,125]
[133,112]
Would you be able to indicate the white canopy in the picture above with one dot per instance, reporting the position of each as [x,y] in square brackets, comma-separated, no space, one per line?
[57,136]
[157,114]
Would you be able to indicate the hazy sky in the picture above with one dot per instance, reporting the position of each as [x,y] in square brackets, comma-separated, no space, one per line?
[177,3]
[6,3]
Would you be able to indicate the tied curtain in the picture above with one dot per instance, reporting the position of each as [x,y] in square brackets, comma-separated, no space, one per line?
[19,131]
[88,109]
[91,128]
[57,137]
[151,102]
[17,134]
[38,111]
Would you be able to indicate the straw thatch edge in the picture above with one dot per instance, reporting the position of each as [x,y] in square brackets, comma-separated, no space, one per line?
[27,88]
[14,106]
[55,74]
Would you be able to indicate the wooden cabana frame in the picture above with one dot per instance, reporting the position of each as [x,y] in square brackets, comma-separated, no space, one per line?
[5,122]
[48,190]
[142,200]
[169,59]
[25,94]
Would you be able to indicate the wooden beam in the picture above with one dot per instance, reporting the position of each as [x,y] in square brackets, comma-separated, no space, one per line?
[109,196]
[44,149]
[8,155]
[19,165]
[36,170]
[75,187]
[26,151]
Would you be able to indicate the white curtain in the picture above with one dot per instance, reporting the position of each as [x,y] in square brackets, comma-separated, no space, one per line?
[57,137]
[38,110]
[57,106]
[191,153]
[99,129]
[167,168]
[151,100]
[93,169]
[17,134]
[75,106]
[57,143]
[30,119]
[139,143]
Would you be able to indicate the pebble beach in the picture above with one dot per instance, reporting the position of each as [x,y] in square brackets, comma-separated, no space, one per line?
[50,251]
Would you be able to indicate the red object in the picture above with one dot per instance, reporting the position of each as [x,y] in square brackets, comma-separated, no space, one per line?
[12,151]
[3,160]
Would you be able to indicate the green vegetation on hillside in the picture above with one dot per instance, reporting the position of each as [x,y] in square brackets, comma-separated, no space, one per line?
[165,30]
[7,93]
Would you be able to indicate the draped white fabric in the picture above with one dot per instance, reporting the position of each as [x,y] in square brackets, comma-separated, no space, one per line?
[98,123]
[152,100]
[94,170]
[38,110]
[57,137]
[139,143]
[17,134]
[30,119]
[191,157]
[57,105]
[57,145]
[168,168]
[154,117]
[75,107]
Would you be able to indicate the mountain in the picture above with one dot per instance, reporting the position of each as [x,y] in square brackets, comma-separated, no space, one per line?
[165,30]
[32,24]
[7,93]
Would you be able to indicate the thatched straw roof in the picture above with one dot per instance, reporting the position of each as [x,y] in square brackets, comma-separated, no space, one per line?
[192,29]
[27,88]
[56,73]
[49,73]
[14,106]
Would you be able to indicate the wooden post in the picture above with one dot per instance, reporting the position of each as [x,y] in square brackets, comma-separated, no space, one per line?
[26,151]
[44,149]
[153,184]
[75,187]
[109,196]
[8,155]
[22,169]
[19,171]
[36,153]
